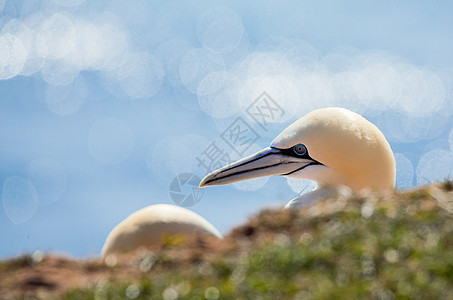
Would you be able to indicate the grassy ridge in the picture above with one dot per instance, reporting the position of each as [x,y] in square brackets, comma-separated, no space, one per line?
[397,246]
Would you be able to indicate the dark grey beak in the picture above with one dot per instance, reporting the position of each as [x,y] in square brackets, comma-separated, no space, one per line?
[267,162]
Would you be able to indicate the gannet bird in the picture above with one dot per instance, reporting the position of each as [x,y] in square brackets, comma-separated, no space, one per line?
[148,226]
[333,146]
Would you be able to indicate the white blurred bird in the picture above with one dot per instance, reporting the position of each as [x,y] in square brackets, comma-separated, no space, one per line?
[333,146]
[148,226]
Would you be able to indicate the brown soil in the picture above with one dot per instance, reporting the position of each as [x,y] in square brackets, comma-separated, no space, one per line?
[50,276]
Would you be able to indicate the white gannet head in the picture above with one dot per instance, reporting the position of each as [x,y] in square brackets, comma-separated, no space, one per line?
[333,146]
[146,227]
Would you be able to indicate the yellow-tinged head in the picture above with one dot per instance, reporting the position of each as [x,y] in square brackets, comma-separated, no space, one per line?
[148,226]
[333,146]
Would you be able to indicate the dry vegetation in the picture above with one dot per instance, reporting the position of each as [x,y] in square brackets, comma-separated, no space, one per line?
[358,247]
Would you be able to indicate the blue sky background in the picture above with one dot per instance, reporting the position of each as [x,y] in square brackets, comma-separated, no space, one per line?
[103,103]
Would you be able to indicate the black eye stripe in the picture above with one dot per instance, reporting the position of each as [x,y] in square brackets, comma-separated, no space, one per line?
[306,155]
[291,152]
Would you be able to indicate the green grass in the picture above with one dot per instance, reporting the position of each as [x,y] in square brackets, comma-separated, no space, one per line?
[376,247]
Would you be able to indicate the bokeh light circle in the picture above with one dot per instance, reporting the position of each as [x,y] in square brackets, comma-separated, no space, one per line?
[351,90]
[436,165]
[405,128]
[66,99]
[216,94]
[166,159]
[59,72]
[197,64]
[48,178]
[385,85]
[301,186]
[423,93]
[141,75]
[56,37]
[283,93]
[404,171]
[68,3]
[19,199]
[171,54]
[220,29]
[12,56]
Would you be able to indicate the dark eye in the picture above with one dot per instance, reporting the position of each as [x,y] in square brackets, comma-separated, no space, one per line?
[300,149]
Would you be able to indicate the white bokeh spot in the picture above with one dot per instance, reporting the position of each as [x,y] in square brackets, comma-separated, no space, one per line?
[436,165]
[175,155]
[12,56]
[301,186]
[48,178]
[216,94]
[404,171]
[19,199]
[220,29]
[197,64]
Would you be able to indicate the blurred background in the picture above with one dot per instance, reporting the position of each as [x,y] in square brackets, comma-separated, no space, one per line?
[103,104]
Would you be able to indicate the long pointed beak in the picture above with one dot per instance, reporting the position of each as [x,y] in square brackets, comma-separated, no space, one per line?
[267,162]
